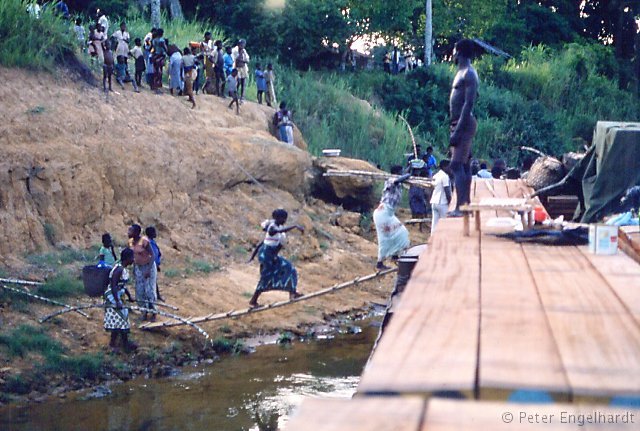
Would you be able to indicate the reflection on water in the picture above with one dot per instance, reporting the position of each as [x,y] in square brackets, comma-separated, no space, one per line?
[253,393]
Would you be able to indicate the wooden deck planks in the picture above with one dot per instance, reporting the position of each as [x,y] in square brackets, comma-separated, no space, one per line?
[517,348]
[358,414]
[622,274]
[431,342]
[598,339]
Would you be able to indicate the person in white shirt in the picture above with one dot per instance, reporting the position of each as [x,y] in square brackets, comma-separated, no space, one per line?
[441,196]
[103,21]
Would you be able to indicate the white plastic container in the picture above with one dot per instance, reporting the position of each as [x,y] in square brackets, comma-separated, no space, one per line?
[603,239]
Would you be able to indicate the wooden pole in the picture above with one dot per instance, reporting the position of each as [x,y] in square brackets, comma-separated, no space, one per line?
[415,181]
[245,311]
[43,299]
[21,282]
[182,320]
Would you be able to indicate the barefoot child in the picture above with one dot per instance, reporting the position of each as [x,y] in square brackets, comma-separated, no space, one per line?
[151,233]
[232,88]
[189,68]
[138,56]
[261,82]
[116,316]
[276,272]
[107,66]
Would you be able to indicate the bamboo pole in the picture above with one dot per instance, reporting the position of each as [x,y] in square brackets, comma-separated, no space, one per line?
[413,139]
[42,298]
[245,311]
[416,181]
[20,282]
[130,307]
[417,220]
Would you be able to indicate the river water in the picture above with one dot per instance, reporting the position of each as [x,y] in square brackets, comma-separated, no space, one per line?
[256,392]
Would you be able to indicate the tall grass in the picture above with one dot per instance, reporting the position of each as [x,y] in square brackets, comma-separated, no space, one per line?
[179,32]
[32,43]
[330,117]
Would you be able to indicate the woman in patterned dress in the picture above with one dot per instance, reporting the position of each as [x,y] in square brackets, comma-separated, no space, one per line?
[276,272]
[116,316]
[393,237]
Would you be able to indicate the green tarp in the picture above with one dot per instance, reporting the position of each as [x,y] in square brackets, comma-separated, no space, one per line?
[609,168]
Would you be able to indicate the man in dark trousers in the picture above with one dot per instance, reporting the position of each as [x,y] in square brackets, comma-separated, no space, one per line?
[463,124]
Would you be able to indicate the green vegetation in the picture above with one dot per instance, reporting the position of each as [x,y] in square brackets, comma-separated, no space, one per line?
[179,32]
[61,285]
[225,345]
[62,256]
[27,341]
[329,117]
[29,42]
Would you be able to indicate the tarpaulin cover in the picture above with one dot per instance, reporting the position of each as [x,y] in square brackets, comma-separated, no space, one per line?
[609,168]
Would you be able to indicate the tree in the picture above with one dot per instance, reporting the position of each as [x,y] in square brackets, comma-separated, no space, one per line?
[428,33]
[155,13]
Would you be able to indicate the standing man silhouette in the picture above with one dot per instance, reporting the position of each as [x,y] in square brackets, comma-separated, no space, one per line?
[463,124]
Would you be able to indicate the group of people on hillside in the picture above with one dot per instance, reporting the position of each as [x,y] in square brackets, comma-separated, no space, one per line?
[206,65]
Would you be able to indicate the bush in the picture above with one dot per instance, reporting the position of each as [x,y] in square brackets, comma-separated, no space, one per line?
[62,285]
[330,117]
[87,366]
[32,43]
[25,339]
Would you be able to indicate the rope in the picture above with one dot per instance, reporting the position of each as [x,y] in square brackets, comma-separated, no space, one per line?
[43,299]
[242,312]
[130,307]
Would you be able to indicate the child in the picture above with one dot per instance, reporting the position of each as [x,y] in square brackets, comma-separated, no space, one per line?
[79,30]
[151,233]
[270,77]
[219,69]
[232,88]
[189,68]
[228,61]
[261,82]
[138,56]
[116,316]
[200,73]
[417,195]
[107,66]
[107,253]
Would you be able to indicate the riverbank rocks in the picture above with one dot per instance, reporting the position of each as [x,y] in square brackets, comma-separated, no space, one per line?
[356,194]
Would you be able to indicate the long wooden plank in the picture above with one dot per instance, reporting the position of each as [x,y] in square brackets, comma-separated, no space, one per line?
[598,339]
[512,322]
[358,414]
[567,281]
[623,276]
[431,342]
[449,415]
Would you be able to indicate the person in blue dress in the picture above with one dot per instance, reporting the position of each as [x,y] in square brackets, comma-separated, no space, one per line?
[276,272]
